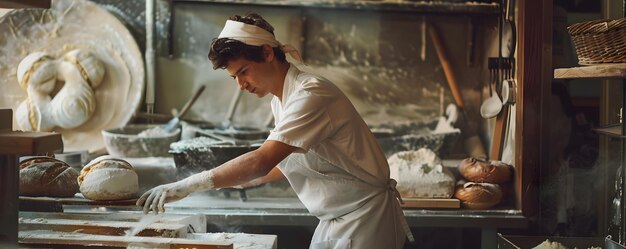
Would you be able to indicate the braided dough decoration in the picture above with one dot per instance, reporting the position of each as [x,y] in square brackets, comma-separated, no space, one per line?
[75,102]
[36,74]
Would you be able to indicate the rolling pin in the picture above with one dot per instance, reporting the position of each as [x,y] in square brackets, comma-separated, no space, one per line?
[473,144]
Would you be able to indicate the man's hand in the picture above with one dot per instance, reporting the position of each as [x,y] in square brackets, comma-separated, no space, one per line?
[156,197]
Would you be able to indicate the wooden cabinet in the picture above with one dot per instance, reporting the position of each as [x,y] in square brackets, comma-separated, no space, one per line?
[611,197]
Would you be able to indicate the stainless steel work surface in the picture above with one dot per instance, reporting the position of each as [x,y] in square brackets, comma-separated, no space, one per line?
[291,212]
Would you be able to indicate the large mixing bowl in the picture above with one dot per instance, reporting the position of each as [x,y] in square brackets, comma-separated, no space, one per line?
[242,132]
[204,153]
[139,140]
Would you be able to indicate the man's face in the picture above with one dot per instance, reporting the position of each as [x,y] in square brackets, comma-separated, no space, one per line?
[251,76]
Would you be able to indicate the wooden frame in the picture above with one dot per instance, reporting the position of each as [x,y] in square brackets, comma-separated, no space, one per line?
[532,110]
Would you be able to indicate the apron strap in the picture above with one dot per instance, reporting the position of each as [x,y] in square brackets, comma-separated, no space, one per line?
[392,187]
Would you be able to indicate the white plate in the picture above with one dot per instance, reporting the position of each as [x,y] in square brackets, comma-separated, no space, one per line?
[65,26]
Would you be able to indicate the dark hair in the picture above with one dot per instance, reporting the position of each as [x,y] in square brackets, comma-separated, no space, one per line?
[224,50]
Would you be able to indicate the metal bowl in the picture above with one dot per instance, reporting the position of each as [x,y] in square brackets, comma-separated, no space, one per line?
[129,141]
[203,153]
[242,132]
[404,136]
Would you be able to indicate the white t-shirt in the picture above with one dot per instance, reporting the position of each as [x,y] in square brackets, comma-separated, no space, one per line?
[317,117]
[340,173]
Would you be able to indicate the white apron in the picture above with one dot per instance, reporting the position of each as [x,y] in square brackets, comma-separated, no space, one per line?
[339,172]
[358,215]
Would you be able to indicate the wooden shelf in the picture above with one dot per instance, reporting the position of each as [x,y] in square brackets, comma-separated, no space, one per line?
[592,72]
[373,5]
[15,4]
[611,130]
[29,143]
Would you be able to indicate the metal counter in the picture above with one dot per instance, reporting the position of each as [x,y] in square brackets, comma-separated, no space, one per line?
[291,212]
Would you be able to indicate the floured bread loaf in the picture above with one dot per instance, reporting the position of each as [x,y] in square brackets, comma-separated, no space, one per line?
[46,176]
[420,175]
[108,178]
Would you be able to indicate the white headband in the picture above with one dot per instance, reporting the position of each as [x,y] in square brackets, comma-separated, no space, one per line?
[256,36]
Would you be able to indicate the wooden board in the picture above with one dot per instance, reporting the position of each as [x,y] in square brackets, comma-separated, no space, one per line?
[617,70]
[29,143]
[196,221]
[61,239]
[103,227]
[430,203]
[241,240]
[77,200]
[88,230]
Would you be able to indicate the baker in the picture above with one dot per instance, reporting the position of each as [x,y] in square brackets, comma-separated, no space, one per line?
[320,144]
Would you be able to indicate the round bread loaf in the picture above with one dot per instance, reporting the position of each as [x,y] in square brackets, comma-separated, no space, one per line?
[475,195]
[477,170]
[108,178]
[46,176]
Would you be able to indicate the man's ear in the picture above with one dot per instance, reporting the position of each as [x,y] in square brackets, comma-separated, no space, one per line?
[268,53]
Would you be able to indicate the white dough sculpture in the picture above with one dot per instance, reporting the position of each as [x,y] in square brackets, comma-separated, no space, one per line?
[37,75]
[74,103]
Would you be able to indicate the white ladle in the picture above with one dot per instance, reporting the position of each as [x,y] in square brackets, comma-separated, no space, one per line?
[491,106]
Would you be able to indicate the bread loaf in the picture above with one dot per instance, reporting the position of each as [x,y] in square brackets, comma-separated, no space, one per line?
[476,170]
[108,178]
[46,176]
[475,195]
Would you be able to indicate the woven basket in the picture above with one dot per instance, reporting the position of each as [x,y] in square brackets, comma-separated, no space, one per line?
[599,41]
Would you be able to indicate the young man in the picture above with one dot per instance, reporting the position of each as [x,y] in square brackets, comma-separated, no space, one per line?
[320,144]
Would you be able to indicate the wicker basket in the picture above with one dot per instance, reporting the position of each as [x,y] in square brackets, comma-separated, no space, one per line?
[600,41]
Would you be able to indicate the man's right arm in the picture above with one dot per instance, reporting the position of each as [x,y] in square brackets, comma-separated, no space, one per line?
[274,175]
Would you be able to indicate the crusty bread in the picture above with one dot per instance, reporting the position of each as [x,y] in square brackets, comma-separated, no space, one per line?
[477,170]
[103,162]
[108,178]
[46,176]
[475,195]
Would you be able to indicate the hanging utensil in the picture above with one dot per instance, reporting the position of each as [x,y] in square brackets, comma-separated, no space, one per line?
[492,105]
[173,123]
[473,144]
[505,65]
[509,90]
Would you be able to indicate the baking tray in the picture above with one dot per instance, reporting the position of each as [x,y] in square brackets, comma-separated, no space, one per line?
[528,242]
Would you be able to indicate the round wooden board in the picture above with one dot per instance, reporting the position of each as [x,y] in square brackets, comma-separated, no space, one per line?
[69,25]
